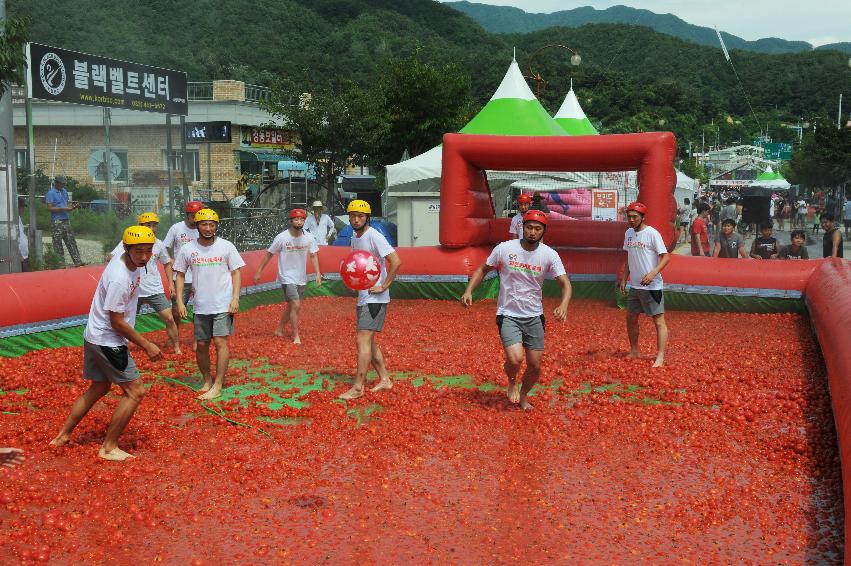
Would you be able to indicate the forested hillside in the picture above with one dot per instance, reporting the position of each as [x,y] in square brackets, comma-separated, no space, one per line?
[631,78]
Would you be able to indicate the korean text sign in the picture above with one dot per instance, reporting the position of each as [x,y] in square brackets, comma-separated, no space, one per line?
[69,76]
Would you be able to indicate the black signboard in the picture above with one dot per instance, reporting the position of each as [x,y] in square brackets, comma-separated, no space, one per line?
[207,132]
[69,76]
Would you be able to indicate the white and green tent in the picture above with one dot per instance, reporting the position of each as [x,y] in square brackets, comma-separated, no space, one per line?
[771,180]
[572,118]
[512,111]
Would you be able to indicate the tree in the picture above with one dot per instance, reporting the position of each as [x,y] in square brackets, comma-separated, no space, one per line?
[12,62]
[823,158]
[328,123]
[416,102]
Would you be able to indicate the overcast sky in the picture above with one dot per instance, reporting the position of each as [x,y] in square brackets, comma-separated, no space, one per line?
[815,21]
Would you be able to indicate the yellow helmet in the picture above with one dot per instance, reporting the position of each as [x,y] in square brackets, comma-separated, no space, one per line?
[206,214]
[146,217]
[138,235]
[359,206]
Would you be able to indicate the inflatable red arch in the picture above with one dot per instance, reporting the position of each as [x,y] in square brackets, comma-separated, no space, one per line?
[43,300]
[467,215]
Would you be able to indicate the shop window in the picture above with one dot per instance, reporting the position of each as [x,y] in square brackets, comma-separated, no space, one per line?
[193,165]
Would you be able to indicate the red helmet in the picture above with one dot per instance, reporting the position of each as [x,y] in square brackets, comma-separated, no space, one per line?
[524,199]
[638,207]
[535,216]
[193,206]
[298,213]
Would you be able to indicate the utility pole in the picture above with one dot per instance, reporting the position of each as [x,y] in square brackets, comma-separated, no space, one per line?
[10,261]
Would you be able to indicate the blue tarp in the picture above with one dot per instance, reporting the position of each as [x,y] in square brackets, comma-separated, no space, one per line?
[387,229]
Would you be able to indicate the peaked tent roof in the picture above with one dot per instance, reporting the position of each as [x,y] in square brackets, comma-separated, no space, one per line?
[572,118]
[771,179]
[512,111]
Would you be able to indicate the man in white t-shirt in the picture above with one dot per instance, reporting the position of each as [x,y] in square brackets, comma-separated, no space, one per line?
[320,225]
[372,304]
[151,289]
[646,257]
[106,359]
[522,266]
[216,280]
[292,246]
[524,201]
[178,235]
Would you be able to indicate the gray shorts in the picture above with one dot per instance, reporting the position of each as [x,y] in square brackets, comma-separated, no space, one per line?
[97,367]
[650,303]
[527,331]
[293,292]
[158,302]
[371,316]
[209,325]
[187,293]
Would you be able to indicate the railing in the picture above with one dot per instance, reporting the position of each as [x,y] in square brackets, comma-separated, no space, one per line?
[199,91]
[204,91]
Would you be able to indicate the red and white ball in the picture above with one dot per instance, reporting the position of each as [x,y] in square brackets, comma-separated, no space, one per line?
[360,270]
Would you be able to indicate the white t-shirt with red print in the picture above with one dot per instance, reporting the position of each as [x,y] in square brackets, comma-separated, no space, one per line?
[521,277]
[292,256]
[211,268]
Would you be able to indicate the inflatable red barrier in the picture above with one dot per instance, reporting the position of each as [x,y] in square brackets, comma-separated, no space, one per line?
[829,304]
[466,209]
[580,233]
[740,273]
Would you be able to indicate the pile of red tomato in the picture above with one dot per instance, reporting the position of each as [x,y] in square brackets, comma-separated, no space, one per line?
[726,454]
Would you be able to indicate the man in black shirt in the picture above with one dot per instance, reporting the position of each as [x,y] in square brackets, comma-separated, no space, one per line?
[832,242]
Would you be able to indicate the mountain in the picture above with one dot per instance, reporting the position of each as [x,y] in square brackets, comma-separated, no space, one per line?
[844,47]
[631,78]
[505,19]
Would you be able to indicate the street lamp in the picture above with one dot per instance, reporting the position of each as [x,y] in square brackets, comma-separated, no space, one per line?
[575,60]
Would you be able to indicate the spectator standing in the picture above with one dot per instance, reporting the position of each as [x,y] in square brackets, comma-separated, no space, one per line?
[797,249]
[832,241]
[728,211]
[846,215]
[816,220]
[685,216]
[319,225]
[801,214]
[765,245]
[779,210]
[23,242]
[59,204]
[729,244]
[700,232]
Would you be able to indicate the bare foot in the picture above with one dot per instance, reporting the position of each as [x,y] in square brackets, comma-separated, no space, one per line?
[115,455]
[381,385]
[525,404]
[514,392]
[279,331]
[633,353]
[352,393]
[211,394]
[11,457]
[61,440]
[206,387]
[177,349]
[660,361]
[296,340]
